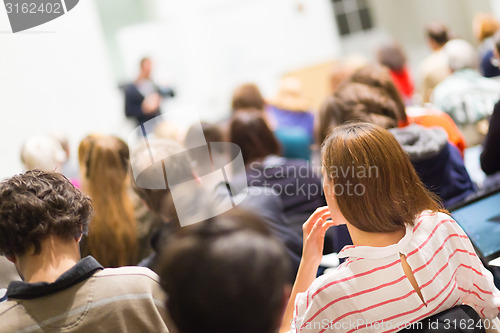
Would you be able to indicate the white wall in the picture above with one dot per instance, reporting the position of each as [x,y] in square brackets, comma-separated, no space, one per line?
[495,6]
[206,48]
[55,77]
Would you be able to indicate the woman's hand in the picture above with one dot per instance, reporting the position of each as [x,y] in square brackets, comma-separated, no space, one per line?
[314,237]
[314,230]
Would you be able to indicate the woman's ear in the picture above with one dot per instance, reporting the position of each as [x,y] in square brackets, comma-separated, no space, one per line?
[79,238]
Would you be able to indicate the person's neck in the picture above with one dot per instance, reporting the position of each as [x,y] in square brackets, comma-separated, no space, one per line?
[143,77]
[375,239]
[56,257]
[438,48]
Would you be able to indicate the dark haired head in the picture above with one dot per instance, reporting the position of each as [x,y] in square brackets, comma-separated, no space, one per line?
[148,179]
[391,55]
[229,273]
[212,133]
[378,76]
[437,32]
[247,96]
[249,130]
[357,102]
[35,205]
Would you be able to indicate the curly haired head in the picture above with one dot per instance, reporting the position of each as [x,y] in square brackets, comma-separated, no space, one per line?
[35,205]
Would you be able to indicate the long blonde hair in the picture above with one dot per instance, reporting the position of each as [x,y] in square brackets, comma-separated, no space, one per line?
[112,237]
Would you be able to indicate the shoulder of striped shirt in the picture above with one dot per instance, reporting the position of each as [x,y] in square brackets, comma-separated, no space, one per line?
[428,221]
[128,271]
[140,272]
[6,306]
[339,273]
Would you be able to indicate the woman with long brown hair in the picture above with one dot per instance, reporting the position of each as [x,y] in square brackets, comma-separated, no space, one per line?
[112,238]
[410,260]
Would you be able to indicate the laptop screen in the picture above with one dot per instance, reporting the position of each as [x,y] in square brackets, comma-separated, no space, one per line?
[481,222]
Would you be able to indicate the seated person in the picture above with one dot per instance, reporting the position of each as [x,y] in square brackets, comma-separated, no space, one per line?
[200,198]
[290,114]
[438,163]
[247,96]
[490,157]
[434,68]
[42,219]
[104,165]
[294,179]
[410,259]
[391,55]
[225,275]
[466,95]
[378,76]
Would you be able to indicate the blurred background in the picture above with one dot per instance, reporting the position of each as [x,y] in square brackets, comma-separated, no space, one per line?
[65,76]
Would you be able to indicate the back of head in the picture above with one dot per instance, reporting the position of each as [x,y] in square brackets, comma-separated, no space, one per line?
[343,69]
[378,76]
[112,238]
[247,96]
[485,25]
[357,102]
[225,275]
[37,204]
[212,133]
[460,55]
[43,153]
[168,130]
[148,178]
[104,163]
[437,32]
[367,167]
[391,55]
[290,95]
[250,131]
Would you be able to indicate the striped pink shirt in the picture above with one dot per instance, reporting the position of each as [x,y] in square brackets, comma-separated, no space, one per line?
[370,292]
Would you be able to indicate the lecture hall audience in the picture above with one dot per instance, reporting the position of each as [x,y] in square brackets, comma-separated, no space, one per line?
[288,115]
[438,163]
[200,198]
[484,26]
[87,258]
[265,166]
[466,95]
